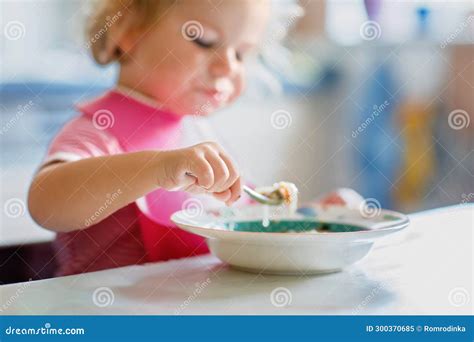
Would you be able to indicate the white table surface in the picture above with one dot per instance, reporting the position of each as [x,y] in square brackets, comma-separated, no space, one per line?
[428,269]
[16,226]
[24,234]
[21,230]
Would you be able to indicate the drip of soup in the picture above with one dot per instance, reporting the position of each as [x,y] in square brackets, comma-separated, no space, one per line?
[265,215]
[286,192]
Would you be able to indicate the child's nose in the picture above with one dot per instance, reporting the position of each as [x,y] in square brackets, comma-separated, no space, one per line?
[224,63]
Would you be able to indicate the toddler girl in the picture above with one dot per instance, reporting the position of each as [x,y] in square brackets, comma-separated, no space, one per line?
[104,184]
[113,175]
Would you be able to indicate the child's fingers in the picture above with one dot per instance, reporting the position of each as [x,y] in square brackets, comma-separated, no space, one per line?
[233,172]
[202,170]
[223,196]
[236,191]
[221,172]
[185,183]
[214,170]
[195,189]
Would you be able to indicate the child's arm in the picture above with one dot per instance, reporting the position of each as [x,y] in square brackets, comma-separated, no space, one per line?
[63,195]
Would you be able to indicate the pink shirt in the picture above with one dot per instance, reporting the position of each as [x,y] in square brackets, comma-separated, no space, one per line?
[142,231]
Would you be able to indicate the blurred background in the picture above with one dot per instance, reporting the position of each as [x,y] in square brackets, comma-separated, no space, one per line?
[372,95]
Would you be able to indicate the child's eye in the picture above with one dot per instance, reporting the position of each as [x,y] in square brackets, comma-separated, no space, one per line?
[239,56]
[204,44]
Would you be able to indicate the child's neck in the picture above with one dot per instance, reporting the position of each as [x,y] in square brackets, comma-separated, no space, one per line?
[130,92]
[129,86]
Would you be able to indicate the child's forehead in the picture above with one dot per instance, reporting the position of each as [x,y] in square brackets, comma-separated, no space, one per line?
[223,6]
[226,14]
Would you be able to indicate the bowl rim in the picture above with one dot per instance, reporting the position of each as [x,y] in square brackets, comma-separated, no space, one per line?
[385,227]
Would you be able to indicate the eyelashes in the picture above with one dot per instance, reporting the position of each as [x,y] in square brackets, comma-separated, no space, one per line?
[204,44]
[209,45]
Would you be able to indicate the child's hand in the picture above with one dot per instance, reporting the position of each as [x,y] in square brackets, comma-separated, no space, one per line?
[200,168]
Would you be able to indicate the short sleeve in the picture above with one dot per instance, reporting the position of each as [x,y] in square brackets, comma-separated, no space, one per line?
[80,139]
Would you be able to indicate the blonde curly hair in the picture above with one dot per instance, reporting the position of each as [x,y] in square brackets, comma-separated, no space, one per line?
[111,19]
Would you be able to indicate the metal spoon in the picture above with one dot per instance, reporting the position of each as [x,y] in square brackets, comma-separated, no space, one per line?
[257,196]
[260,197]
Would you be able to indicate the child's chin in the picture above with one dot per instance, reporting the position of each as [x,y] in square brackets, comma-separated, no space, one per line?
[191,110]
[202,110]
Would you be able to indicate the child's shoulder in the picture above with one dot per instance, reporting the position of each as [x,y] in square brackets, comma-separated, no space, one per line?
[84,126]
[81,138]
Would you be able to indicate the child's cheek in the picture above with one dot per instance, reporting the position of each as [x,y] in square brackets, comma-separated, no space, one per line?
[239,86]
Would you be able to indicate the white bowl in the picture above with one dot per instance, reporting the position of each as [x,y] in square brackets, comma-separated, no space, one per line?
[306,252]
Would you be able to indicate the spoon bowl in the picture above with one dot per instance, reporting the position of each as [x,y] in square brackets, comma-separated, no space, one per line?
[260,198]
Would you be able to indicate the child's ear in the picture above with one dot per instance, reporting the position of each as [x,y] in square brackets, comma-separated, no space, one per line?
[121,38]
[128,40]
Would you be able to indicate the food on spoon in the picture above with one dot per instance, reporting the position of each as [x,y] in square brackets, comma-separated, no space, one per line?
[283,191]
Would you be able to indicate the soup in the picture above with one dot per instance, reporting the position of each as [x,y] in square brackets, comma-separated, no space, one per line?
[292,226]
